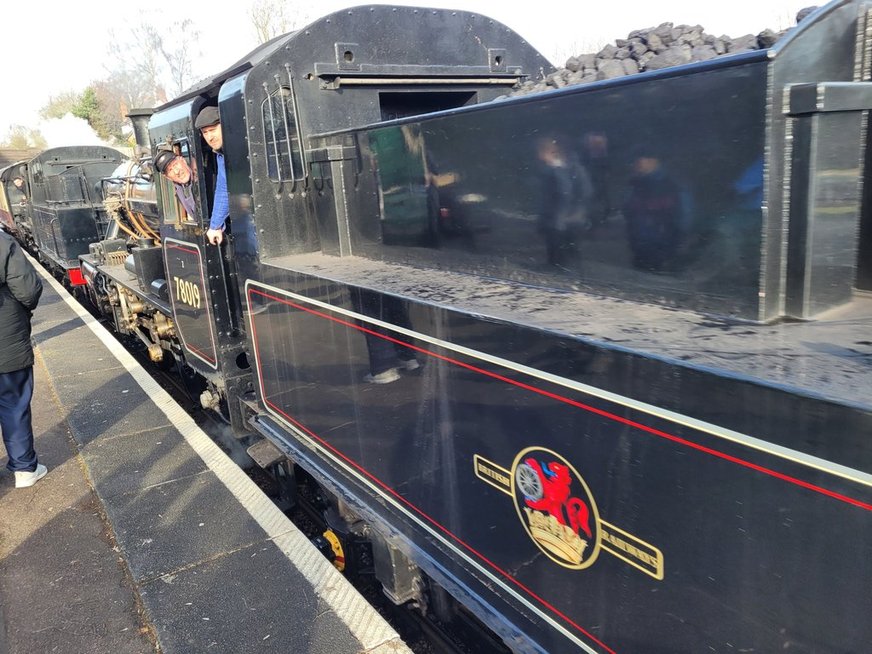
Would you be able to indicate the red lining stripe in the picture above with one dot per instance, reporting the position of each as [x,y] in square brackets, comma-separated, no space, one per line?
[200,352]
[390,490]
[600,412]
[179,247]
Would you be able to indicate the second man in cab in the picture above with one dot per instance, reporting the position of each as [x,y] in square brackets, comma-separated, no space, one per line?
[209,124]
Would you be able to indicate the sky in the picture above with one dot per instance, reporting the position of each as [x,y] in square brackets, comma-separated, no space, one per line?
[65,44]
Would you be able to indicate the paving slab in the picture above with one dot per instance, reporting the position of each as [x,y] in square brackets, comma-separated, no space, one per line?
[70,348]
[178,524]
[131,463]
[199,609]
[106,403]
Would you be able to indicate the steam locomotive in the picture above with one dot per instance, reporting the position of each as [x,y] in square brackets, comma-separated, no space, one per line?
[54,201]
[591,365]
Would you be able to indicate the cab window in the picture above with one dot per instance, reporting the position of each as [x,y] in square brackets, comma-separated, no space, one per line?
[282,145]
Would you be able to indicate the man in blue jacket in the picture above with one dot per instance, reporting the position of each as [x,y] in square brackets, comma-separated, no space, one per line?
[20,288]
[209,123]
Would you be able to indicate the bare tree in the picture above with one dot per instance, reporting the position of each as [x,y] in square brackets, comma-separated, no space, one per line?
[156,59]
[127,89]
[147,61]
[271,18]
[179,58]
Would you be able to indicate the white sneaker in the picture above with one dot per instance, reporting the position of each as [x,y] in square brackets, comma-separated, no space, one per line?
[386,377]
[24,479]
[410,364]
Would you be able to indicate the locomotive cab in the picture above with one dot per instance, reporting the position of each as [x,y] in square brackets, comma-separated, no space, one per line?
[201,299]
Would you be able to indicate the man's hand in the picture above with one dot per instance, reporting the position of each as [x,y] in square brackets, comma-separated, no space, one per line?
[215,236]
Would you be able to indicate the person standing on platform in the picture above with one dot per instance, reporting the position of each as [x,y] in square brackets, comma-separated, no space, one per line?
[209,123]
[20,288]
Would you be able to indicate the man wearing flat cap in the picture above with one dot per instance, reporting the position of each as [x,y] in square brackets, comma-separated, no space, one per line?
[209,124]
[175,168]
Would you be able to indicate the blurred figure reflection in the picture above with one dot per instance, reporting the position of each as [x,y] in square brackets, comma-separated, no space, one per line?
[595,158]
[566,190]
[657,216]
[408,198]
[387,356]
[749,187]
[740,229]
[244,241]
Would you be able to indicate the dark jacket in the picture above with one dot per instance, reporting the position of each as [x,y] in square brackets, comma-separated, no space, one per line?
[20,288]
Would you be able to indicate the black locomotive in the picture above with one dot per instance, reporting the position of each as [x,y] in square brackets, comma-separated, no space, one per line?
[594,362]
[57,211]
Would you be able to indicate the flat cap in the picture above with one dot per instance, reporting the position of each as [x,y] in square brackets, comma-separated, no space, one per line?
[207,116]
[162,159]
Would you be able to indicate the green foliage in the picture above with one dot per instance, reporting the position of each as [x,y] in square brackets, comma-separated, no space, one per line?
[88,107]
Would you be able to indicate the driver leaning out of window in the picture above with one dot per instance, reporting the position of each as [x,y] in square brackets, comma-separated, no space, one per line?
[176,169]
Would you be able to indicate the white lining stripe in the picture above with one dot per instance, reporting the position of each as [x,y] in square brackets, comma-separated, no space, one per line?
[319,448]
[779,451]
[362,620]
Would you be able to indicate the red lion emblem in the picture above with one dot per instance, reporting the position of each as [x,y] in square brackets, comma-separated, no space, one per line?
[555,499]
